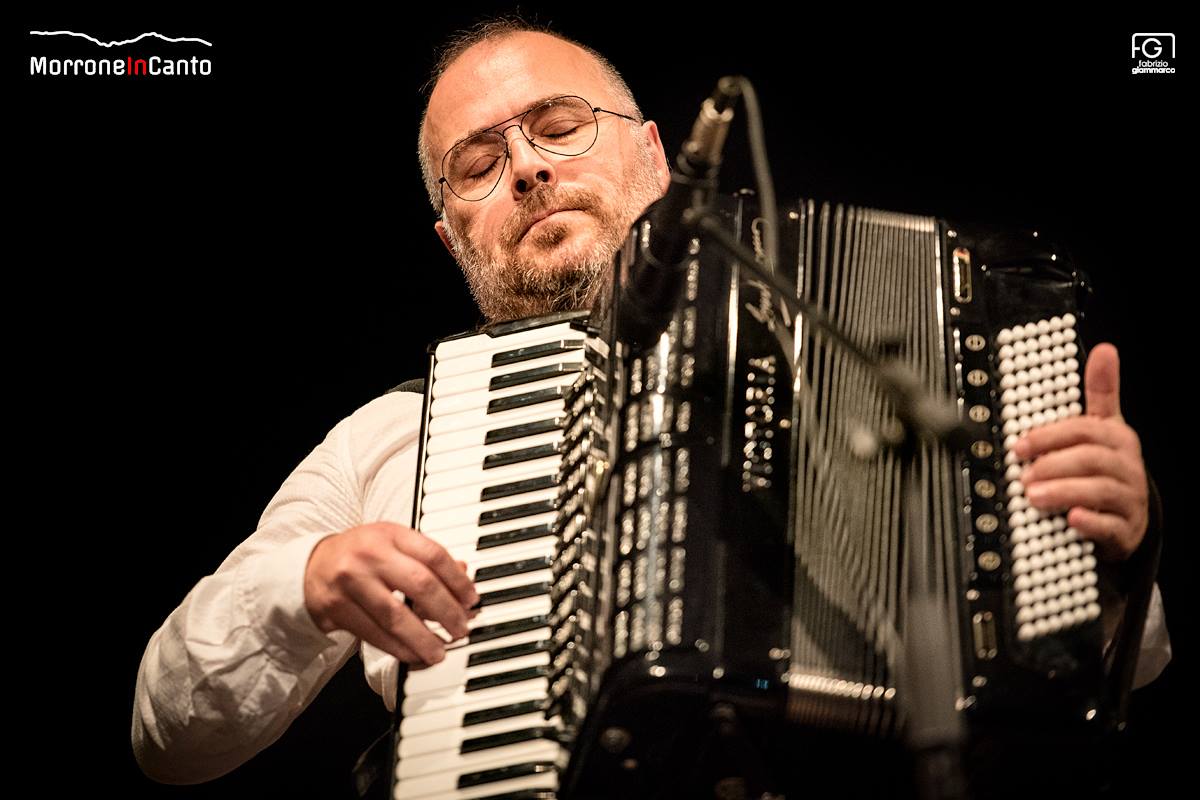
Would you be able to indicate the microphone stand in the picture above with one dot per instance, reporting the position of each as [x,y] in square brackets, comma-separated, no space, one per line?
[935,731]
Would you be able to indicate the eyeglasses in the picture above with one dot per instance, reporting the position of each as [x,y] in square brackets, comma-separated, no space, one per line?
[565,126]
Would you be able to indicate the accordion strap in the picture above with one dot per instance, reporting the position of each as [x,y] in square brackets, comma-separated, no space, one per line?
[1135,580]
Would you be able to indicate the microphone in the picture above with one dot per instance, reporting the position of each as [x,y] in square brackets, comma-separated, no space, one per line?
[662,230]
[695,180]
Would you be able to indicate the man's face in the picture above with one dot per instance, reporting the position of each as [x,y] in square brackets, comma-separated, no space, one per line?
[516,269]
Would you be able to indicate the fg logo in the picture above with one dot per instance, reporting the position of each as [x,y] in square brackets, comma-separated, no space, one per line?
[1153,45]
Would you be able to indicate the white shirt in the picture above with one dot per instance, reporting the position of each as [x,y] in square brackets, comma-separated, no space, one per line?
[240,658]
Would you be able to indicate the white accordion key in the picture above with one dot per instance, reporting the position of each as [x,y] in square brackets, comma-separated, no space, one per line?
[453,349]
[476,436]
[507,374]
[428,722]
[444,784]
[480,401]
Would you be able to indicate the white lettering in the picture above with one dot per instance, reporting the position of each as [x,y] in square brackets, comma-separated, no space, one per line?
[155,65]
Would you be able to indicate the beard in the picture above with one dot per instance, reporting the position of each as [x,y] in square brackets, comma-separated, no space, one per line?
[553,274]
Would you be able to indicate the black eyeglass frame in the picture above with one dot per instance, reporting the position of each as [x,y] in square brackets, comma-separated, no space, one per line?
[443,183]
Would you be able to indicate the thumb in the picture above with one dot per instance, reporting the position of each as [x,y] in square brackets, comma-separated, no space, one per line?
[1102,382]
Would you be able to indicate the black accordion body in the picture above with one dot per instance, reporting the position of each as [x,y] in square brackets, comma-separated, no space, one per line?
[695,558]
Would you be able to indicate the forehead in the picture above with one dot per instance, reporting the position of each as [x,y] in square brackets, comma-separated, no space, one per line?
[493,81]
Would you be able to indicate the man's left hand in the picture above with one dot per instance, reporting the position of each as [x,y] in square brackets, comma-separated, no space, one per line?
[1092,465]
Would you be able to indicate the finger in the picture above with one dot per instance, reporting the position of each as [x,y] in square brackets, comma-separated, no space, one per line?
[1100,493]
[1102,382]
[424,613]
[355,620]
[1067,433]
[419,583]
[440,562]
[1111,532]
[388,613]
[1080,461]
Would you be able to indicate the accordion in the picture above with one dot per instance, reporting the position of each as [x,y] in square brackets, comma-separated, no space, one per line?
[695,557]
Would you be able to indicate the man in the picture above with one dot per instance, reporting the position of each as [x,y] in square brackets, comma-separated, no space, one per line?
[252,644]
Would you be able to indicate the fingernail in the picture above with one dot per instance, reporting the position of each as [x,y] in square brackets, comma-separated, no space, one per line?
[1026,475]
[1035,493]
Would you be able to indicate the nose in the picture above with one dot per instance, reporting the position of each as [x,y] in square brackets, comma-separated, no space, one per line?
[529,165]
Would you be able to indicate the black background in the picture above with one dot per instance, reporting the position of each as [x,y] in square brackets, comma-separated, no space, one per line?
[210,273]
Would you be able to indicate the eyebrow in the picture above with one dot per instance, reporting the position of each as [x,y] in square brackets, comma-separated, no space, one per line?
[532,105]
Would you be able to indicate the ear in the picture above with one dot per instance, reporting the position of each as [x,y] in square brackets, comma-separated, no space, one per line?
[441,232]
[650,131]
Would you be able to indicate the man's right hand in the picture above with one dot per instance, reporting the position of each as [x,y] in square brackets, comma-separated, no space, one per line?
[349,584]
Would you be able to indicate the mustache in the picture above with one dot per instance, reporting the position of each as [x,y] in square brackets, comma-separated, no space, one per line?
[542,199]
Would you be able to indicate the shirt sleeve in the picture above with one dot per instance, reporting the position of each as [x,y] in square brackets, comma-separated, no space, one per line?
[1155,652]
[241,657]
